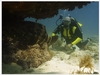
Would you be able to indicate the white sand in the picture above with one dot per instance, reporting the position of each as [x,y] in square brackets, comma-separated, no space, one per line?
[65,63]
[57,64]
[62,63]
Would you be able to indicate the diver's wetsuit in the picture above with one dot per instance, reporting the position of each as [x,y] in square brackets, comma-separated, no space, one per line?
[71,34]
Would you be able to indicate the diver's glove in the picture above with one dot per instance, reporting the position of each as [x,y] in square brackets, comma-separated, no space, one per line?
[53,34]
[73,47]
[52,39]
[69,45]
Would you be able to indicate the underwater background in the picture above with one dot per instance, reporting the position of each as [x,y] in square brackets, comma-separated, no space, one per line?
[88,16]
[66,61]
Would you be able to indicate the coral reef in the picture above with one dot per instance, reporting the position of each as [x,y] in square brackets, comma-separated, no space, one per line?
[33,57]
[38,10]
[22,33]
[19,36]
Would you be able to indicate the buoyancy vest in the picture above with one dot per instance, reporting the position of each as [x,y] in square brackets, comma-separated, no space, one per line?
[69,33]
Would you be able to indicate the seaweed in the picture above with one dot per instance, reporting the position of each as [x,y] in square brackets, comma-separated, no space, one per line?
[85,64]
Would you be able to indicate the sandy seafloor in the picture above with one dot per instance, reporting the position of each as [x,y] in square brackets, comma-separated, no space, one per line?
[63,62]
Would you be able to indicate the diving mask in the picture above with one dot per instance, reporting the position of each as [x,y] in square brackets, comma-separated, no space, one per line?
[67,21]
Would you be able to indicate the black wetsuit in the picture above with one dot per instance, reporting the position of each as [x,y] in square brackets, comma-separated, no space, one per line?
[74,36]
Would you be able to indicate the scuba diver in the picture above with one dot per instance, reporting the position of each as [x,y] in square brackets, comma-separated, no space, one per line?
[70,30]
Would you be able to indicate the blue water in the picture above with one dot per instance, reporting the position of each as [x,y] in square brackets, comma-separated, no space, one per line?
[88,16]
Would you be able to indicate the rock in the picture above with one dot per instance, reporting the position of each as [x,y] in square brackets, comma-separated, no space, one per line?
[32,57]
[37,10]
[26,43]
